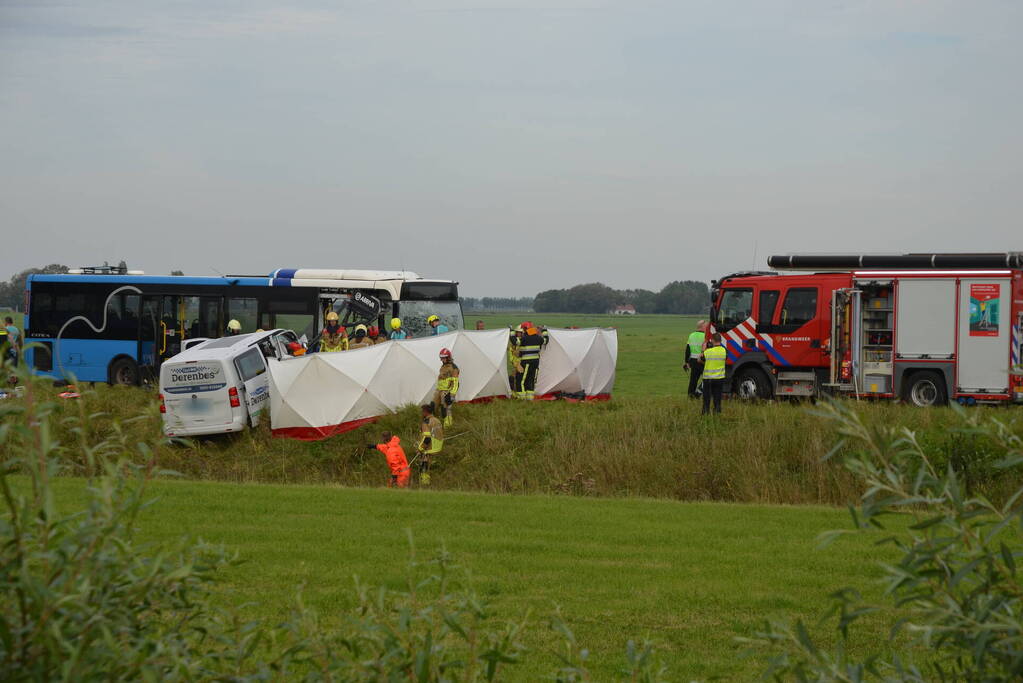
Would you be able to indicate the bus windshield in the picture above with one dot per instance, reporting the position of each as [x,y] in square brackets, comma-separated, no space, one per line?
[413,316]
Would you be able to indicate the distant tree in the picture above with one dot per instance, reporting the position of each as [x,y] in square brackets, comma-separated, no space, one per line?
[644,300]
[12,292]
[678,298]
[122,265]
[683,297]
[177,272]
[594,297]
[497,303]
[550,301]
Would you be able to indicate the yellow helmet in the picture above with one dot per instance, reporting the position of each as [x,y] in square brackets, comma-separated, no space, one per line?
[234,326]
[395,323]
[332,316]
[361,328]
[433,318]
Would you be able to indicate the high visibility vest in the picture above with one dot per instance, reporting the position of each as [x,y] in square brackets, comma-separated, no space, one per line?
[695,342]
[714,362]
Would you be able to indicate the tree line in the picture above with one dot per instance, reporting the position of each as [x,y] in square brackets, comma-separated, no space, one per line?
[682,297]
[497,303]
[12,292]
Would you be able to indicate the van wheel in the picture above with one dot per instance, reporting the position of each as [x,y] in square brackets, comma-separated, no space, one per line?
[124,371]
[751,384]
[925,389]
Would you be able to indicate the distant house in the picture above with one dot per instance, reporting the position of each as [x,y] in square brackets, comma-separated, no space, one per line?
[627,309]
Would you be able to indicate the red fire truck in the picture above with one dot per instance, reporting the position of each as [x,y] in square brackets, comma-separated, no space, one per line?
[925,328]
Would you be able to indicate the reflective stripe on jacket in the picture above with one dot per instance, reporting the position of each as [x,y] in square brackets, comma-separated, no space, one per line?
[529,347]
[714,362]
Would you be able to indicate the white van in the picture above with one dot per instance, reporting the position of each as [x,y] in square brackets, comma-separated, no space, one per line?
[220,385]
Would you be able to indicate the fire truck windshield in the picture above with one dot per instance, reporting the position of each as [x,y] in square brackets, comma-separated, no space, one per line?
[736,306]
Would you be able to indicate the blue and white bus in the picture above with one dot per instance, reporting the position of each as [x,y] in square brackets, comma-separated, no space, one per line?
[98,325]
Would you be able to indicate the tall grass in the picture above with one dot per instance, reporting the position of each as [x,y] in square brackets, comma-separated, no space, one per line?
[657,447]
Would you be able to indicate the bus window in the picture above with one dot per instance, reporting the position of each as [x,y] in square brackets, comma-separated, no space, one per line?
[122,317]
[768,302]
[243,310]
[413,316]
[190,317]
[303,324]
[736,307]
[210,324]
[800,307]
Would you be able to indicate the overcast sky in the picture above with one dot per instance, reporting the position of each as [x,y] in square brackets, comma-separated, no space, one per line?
[514,146]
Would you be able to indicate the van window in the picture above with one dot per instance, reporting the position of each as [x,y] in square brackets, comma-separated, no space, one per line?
[800,307]
[736,307]
[250,364]
[768,302]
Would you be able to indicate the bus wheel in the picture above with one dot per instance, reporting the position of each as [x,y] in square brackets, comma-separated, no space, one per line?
[925,389]
[751,384]
[124,371]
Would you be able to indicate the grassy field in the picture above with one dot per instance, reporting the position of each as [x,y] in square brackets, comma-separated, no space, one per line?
[656,447]
[649,346]
[689,576]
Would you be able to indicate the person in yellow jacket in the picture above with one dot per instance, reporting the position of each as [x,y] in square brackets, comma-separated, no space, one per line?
[714,359]
[431,443]
[362,340]
[447,387]
[514,362]
[334,337]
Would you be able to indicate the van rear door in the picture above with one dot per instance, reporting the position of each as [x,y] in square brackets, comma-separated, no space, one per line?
[195,393]
[255,383]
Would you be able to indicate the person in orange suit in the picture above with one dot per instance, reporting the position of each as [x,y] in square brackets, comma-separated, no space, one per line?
[396,460]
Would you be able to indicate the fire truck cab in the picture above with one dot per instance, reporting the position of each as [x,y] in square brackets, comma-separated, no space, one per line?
[924,328]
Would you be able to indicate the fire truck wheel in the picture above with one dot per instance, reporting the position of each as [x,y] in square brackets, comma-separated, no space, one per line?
[924,389]
[751,384]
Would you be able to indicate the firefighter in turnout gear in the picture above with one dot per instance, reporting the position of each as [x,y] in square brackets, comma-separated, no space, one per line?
[514,338]
[430,443]
[529,357]
[362,340]
[447,387]
[334,337]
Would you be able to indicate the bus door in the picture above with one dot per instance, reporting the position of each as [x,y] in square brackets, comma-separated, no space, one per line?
[167,320]
[154,333]
[199,316]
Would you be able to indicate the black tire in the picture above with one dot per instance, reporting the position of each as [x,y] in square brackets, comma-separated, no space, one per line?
[125,372]
[925,389]
[752,384]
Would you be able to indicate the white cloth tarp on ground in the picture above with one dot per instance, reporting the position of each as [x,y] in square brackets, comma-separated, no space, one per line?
[314,396]
[579,362]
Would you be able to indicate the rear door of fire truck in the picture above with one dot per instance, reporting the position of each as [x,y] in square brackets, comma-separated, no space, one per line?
[983,337]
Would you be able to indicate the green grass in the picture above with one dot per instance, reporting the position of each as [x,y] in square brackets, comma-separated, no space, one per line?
[689,576]
[649,346]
